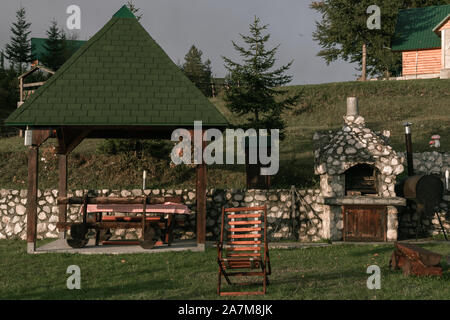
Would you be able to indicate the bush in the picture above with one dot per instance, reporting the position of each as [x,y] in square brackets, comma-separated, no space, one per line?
[159,149]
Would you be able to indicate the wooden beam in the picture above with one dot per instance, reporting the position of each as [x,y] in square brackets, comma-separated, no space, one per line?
[76,140]
[109,224]
[40,136]
[34,84]
[61,137]
[33,169]
[69,139]
[62,190]
[21,90]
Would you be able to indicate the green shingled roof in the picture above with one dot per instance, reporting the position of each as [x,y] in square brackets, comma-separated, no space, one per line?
[414,28]
[121,76]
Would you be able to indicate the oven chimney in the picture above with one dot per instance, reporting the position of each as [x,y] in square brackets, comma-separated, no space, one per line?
[352,106]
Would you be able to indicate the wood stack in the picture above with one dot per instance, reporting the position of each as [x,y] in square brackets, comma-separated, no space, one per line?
[415,260]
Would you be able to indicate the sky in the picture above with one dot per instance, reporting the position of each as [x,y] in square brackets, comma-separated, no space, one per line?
[210,25]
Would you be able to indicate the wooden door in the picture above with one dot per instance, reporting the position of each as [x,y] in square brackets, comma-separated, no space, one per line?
[365,223]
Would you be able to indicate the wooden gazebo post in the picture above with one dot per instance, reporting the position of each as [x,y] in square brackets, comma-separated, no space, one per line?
[39,137]
[33,169]
[67,141]
[62,190]
[200,191]
[201,204]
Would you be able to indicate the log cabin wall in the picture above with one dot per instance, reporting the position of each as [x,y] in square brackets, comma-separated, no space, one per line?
[422,62]
[420,34]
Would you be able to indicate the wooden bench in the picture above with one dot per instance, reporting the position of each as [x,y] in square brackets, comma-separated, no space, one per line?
[415,260]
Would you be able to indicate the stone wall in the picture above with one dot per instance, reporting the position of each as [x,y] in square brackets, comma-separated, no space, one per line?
[304,222]
[432,162]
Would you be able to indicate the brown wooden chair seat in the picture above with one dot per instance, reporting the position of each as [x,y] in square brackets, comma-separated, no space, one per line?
[243,247]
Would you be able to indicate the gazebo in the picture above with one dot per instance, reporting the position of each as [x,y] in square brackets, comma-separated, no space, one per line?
[119,84]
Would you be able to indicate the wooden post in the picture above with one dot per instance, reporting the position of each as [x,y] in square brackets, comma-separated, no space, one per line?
[62,191]
[21,90]
[20,101]
[33,169]
[364,62]
[201,204]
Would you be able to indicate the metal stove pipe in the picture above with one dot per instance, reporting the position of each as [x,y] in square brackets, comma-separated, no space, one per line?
[409,151]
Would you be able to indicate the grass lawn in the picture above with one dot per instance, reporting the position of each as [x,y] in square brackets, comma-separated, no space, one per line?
[335,272]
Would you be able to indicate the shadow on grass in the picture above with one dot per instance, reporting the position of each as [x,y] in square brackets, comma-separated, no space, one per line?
[144,287]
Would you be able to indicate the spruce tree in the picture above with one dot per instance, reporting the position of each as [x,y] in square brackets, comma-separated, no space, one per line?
[55,47]
[18,51]
[198,72]
[254,85]
[2,60]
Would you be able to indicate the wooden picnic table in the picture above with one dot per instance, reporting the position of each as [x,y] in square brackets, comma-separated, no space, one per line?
[154,211]
[162,215]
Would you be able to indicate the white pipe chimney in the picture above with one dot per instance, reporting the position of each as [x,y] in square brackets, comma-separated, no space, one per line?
[352,106]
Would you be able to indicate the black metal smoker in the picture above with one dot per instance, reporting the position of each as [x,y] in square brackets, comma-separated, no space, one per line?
[425,190]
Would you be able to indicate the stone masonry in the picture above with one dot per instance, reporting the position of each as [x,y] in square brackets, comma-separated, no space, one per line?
[303,222]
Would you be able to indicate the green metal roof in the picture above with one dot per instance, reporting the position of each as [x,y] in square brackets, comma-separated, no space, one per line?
[121,76]
[414,28]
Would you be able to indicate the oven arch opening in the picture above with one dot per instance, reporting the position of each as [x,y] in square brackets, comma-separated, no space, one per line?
[361,179]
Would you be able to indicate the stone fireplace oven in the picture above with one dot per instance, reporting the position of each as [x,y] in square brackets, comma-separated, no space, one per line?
[358,170]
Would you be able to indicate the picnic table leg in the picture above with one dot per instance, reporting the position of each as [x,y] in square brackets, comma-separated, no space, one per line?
[144,217]
[98,218]
[85,204]
[148,234]
[169,230]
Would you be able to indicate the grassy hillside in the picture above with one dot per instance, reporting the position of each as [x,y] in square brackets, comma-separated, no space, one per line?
[384,104]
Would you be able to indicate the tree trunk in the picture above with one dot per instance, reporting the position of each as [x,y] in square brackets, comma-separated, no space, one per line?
[364,63]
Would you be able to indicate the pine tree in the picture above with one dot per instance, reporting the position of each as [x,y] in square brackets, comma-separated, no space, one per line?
[2,60]
[18,51]
[9,91]
[198,72]
[55,47]
[253,86]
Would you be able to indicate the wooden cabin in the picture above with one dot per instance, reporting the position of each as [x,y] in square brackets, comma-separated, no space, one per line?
[422,35]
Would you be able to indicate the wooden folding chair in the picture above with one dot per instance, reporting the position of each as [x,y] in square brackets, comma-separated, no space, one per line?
[244,246]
